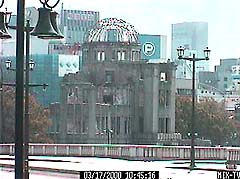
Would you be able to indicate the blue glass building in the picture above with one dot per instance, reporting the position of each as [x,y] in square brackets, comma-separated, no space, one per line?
[49,69]
[193,36]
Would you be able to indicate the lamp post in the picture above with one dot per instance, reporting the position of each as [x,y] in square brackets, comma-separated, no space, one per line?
[108,124]
[46,29]
[2,122]
[26,122]
[19,110]
[108,101]
[28,67]
[8,67]
[193,59]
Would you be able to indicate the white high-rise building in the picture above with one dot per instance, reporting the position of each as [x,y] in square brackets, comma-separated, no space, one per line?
[194,37]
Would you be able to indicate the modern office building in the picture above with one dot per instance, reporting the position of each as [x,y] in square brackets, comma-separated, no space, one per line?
[49,55]
[208,78]
[227,74]
[184,87]
[49,69]
[193,36]
[75,23]
[153,47]
[223,84]
[116,97]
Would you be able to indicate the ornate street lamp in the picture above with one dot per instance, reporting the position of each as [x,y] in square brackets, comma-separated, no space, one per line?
[31,64]
[43,29]
[206,53]
[180,51]
[8,64]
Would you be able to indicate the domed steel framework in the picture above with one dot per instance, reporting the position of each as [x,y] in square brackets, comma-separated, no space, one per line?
[113,30]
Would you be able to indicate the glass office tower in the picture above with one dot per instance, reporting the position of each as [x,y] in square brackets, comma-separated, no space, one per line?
[75,23]
[194,37]
[49,69]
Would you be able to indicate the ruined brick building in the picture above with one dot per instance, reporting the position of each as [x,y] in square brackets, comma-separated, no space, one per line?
[116,97]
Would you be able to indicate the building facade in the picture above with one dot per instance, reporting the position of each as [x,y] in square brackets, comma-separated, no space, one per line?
[193,36]
[116,97]
[75,24]
[153,47]
[226,74]
[223,85]
[49,69]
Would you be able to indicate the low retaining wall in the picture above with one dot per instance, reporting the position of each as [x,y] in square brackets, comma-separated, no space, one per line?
[138,152]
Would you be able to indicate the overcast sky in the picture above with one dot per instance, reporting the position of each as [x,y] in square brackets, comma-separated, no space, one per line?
[156,17]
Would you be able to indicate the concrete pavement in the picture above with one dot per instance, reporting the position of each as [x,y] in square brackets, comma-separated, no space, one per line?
[69,167]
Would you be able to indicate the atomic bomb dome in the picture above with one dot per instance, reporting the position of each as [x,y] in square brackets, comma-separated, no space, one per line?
[113,30]
[121,89]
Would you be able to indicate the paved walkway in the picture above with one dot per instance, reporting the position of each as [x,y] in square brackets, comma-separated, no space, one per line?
[69,167]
